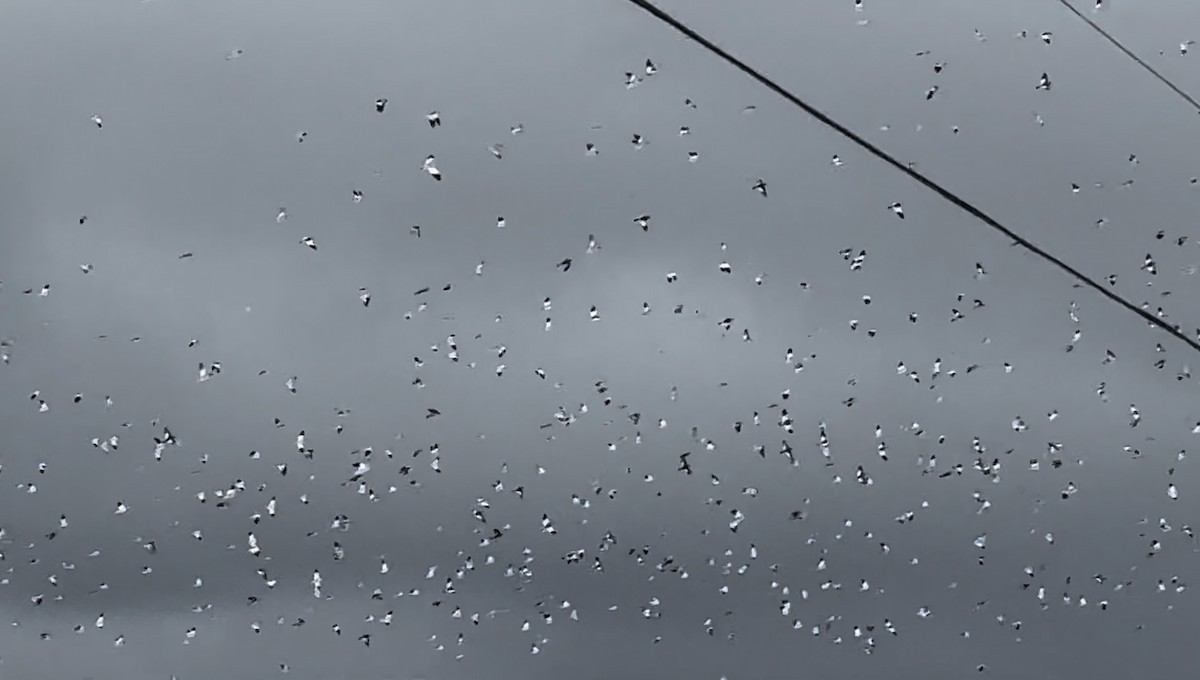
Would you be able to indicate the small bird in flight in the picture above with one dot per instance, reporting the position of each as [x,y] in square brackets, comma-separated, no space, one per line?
[431,168]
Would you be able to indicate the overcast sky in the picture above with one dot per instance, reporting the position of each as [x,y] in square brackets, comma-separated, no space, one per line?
[994,495]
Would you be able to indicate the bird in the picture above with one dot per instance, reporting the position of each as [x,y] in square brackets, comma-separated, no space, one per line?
[308,241]
[651,69]
[380,104]
[98,120]
[433,118]
[761,187]
[1043,83]
[431,168]
[496,150]
[898,209]
[642,221]
[565,265]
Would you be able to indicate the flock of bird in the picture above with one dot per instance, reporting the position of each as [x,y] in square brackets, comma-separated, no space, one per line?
[517,544]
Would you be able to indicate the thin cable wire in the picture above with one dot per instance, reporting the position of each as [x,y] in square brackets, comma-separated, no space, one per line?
[1129,53]
[882,155]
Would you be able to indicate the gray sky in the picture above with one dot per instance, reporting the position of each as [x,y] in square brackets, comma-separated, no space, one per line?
[199,152]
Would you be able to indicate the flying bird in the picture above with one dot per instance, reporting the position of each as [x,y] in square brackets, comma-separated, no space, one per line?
[429,167]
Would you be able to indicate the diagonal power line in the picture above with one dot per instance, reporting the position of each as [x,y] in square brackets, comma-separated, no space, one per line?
[1129,53]
[933,186]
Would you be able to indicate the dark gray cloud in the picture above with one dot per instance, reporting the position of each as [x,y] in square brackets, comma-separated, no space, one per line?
[198,153]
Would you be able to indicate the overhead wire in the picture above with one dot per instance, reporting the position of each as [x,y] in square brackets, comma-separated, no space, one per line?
[1129,53]
[917,176]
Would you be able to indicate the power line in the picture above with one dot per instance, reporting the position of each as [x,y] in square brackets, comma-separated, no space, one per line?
[920,178]
[1129,53]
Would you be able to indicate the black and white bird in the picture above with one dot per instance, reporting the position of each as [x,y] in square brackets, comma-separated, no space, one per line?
[1043,83]
[642,221]
[761,187]
[433,118]
[98,120]
[380,104]
[308,241]
[429,167]
[898,209]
